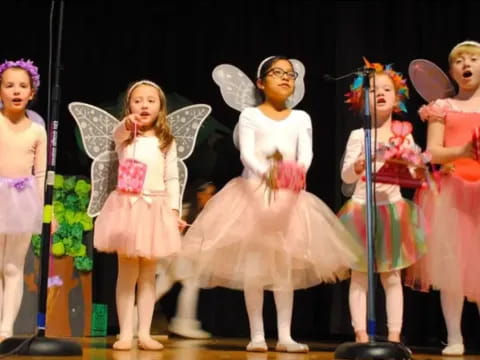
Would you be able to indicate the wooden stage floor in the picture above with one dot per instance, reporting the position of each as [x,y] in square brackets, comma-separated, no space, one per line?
[219,348]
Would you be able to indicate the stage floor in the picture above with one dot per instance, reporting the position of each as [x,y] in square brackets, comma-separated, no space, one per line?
[219,348]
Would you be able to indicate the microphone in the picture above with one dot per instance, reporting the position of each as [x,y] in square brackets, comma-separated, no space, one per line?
[328,78]
[360,71]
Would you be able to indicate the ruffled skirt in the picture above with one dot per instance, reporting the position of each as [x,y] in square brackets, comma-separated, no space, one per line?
[399,233]
[242,238]
[137,226]
[452,261]
[20,206]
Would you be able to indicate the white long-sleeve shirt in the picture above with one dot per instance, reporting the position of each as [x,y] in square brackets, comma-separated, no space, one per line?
[384,193]
[162,170]
[260,137]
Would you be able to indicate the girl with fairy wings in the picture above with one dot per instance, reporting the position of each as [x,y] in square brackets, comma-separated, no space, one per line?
[452,262]
[263,231]
[140,219]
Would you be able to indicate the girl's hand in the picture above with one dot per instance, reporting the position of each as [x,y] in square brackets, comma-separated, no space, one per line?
[131,121]
[467,151]
[359,166]
[181,224]
[270,178]
[419,172]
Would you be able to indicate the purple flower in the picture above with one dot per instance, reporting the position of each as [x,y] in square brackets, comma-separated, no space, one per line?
[25,65]
[20,184]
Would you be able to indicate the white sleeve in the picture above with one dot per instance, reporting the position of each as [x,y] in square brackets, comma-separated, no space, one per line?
[304,145]
[352,152]
[172,184]
[246,135]
[120,134]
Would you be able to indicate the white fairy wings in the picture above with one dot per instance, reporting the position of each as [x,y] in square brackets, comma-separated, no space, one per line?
[96,129]
[240,92]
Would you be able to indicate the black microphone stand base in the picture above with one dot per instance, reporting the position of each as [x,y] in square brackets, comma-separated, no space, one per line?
[40,345]
[372,350]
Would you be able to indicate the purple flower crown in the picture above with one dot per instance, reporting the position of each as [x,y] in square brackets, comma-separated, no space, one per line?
[25,65]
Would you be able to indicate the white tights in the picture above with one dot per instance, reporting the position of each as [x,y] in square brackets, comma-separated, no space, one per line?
[284,305]
[392,285]
[452,307]
[133,272]
[13,249]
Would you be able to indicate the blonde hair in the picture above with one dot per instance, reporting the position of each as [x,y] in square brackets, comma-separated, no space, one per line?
[465,47]
[160,126]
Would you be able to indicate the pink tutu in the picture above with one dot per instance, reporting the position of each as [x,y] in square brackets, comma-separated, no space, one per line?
[452,261]
[295,241]
[20,206]
[137,226]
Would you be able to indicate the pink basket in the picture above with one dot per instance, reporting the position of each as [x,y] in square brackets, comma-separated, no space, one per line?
[131,176]
[131,173]
[290,176]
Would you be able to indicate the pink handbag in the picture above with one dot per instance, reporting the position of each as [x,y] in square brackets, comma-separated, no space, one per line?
[131,173]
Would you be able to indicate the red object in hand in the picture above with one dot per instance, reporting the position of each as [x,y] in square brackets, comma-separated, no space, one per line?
[396,172]
[290,176]
[476,143]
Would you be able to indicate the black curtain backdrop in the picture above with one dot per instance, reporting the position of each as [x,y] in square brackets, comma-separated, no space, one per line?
[107,45]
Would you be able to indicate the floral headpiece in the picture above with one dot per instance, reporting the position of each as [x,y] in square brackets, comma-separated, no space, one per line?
[355,95]
[28,66]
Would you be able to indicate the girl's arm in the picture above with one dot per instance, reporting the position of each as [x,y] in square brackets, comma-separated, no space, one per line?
[304,146]
[440,153]
[172,185]
[352,154]
[121,133]
[435,113]
[246,134]
[40,163]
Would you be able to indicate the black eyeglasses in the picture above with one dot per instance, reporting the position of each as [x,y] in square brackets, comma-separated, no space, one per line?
[279,73]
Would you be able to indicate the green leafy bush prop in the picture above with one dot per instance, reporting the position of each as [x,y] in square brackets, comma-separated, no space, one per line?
[70,202]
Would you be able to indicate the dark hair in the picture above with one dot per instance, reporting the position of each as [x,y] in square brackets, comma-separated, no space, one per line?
[191,197]
[268,64]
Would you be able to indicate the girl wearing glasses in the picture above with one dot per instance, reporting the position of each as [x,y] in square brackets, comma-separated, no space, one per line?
[263,231]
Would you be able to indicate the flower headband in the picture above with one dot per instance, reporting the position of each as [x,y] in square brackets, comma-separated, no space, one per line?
[355,95]
[25,65]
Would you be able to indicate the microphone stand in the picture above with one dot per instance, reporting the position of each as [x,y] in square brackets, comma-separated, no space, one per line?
[39,344]
[372,349]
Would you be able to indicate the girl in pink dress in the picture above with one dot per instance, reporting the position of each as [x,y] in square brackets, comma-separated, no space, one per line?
[142,227]
[452,263]
[23,161]
[255,235]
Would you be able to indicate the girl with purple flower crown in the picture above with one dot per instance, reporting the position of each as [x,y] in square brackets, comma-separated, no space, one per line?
[23,149]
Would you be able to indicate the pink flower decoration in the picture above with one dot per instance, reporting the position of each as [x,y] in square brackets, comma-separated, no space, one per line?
[433,112]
